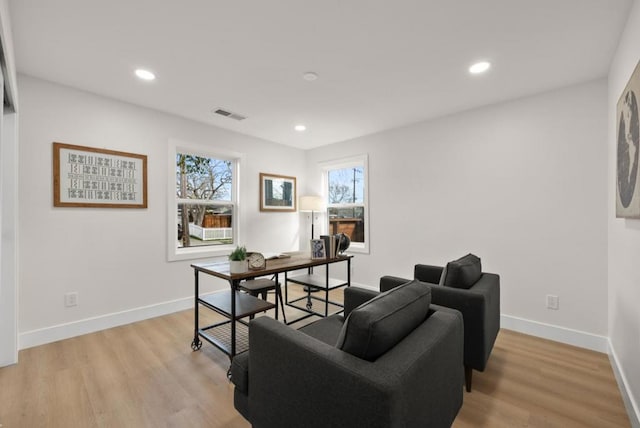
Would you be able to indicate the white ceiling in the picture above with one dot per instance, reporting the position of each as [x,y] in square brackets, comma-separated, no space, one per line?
[381,63]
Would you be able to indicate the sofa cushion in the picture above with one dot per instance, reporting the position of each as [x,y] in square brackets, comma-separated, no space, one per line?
[462,273]
[378,325]
[325,330]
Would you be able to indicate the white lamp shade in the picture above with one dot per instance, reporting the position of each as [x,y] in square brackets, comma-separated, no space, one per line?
[311,203]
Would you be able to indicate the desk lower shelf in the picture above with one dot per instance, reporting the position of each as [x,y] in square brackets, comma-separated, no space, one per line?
[246,305]
[219,335]
[314,282]
[317,281]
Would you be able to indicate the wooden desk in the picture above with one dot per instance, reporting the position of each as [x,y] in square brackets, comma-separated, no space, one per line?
[235,306]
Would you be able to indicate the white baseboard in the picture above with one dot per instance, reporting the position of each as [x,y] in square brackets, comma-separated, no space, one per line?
[54,333]
[630,403]
[29,339]
[569,336]
[556,333]
[369,287]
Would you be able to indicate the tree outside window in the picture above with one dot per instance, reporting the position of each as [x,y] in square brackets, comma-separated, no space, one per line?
[205,200]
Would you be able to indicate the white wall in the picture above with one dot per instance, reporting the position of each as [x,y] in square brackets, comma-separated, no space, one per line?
[8,196]
[624,234]
[116,259]
[9,240]
[521,184]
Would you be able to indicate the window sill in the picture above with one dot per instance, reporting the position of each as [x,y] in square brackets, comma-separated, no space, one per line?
[193,253]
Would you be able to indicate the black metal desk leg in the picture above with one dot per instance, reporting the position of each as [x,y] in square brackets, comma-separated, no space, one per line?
[326,294]
[279,299]
[234,286]
[276,290]
[197,343]
[309,302]
[286,290]
[308,288]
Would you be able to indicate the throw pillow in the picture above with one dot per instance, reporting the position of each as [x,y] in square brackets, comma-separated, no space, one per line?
[462,273]
[378,325]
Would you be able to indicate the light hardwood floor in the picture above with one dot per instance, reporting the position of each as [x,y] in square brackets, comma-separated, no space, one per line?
[145,375]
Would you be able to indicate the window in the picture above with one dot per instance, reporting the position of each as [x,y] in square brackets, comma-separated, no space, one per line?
[347,200]
[203,213]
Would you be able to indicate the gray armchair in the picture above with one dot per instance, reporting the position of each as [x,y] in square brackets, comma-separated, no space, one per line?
[326,375]
[475,294]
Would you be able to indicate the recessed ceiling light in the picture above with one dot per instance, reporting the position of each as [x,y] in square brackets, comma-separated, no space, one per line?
[310,76]
[300,128]
[145,74]
[479,67]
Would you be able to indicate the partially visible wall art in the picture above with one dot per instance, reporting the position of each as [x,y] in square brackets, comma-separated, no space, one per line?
[628,137]
[90,177]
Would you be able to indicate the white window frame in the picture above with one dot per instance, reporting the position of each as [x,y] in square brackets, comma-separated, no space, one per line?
[349,162]
[175,253]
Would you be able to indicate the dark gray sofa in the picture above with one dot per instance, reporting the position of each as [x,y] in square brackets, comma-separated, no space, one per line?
[478,300]
[300,378]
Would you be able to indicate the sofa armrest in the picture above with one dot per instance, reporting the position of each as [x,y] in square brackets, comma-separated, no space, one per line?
[480,308]
[240,372]
[355,296]
[388,282]
[427,273]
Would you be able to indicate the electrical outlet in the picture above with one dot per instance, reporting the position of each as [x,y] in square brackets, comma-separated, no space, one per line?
[553,302]
[71,299]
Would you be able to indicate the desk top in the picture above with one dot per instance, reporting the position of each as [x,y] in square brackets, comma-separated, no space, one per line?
[298,260]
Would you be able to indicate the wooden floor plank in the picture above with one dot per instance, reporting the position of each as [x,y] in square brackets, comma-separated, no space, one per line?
[146,375]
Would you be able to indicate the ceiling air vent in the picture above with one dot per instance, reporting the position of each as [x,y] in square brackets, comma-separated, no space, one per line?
[229,114]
